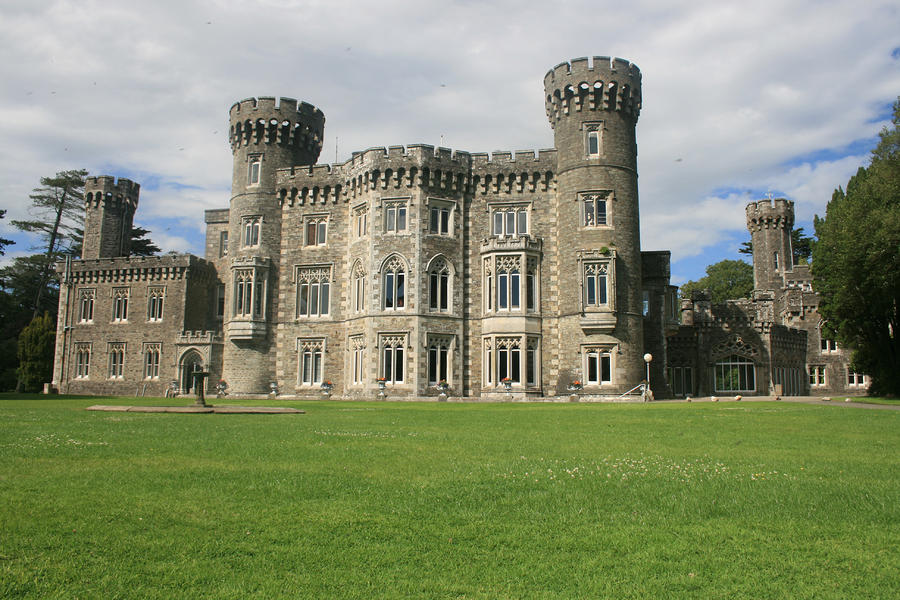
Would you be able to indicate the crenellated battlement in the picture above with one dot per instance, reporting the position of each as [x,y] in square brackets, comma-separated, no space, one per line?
[105,189]
[282,121]
[584,84]
[418,165]
[776,213]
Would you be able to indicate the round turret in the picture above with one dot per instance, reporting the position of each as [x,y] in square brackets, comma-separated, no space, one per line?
[265,135]
[770,223]
[593,107]
[109,207]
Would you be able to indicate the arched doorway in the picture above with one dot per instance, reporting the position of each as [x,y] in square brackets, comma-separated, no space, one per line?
[191,361]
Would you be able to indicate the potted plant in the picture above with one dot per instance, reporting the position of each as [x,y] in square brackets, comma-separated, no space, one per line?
[221,389]
[327,386]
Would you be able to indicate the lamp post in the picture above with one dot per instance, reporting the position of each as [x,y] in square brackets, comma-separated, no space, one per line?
[647,395]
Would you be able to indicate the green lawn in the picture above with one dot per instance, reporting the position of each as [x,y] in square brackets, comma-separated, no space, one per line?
[409,500]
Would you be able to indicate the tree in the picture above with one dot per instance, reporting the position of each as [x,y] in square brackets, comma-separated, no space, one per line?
[726,280]
[58,206]
[3,241]
[801,245]
[36,346]
[856,264]
[141,245]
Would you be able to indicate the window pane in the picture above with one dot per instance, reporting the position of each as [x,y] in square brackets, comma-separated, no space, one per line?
[591,290]
[515,365]
[432,365]
[502,364]
[310,234]
[398,364]
[323,305]
[510,223]
[321,233]
[589,213]
[401,289]
[530,366]
[593,143]
[390,219]
[401,218]
[502,291]
[444,290]
[523,222]
[601,280]
[498,223]
[317,367]
[314,299]
[304,295]
[433,223]
[445,221]
[592,368]
[601,212]
[530,292]
[605,368]
[514,290]
[388,363]
[433,295]
[389,290]
[444,360]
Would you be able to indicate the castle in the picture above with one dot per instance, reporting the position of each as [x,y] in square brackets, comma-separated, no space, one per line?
[518,274]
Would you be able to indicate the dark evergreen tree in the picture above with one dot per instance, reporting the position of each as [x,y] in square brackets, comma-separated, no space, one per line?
[36,346]
[856,264]
[801,245]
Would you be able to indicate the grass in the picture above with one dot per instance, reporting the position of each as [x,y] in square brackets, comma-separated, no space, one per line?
[409,500]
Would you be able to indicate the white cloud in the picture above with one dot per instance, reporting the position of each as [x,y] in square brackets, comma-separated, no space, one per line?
[732,92]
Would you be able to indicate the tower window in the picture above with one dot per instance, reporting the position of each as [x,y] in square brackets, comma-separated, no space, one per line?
[597,366]
[394,284]
[251,229]
[393,363]
[438,359]
[155,297]
[395,217]
[510,221]
[253,172]
[315,231]
[592,139]
[439,286]
[595,207]
[596,289]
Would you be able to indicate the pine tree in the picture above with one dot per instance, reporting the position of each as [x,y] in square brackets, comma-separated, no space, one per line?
[36,347]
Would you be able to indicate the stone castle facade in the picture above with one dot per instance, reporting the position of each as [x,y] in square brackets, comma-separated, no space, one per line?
[515,274]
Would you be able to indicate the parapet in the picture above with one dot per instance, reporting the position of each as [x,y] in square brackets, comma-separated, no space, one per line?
[106,189]
[267,120]
[776,213]
[584,84]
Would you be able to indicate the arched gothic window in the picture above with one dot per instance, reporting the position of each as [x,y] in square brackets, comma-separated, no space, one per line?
[439,286]
[394,289]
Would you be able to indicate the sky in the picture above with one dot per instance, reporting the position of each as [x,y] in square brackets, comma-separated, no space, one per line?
[740,99]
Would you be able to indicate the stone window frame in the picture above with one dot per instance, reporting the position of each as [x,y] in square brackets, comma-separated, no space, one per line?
[746,370]
[515,221]
[120,296]
[596,376]
[440,273]
[358,277]
[315,230]
[82,360]
[511,355]
[249,304]
[437,208]
[251,230]
[156,297]
[391,209]
[86,300]
[356,344]
[361,221]
[116,353]
[593,132]
[439,348]
[310,276]
[592,264]
[393,357]
[818,375]
[395,283]
[152,351]
[223,243]
[596,217]
[311,361]
[857,380]
[254,169]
